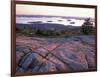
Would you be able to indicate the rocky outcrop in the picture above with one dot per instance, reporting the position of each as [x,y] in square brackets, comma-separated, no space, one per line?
[55,55]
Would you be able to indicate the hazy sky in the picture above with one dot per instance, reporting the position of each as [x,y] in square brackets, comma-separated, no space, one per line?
[53,10]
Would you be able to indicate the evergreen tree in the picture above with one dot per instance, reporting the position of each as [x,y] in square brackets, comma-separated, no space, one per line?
[87,27]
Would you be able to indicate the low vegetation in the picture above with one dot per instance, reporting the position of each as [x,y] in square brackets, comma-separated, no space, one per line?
[86,29]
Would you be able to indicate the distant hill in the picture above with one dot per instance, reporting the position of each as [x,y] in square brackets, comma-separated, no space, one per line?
[46,26]
[66,17]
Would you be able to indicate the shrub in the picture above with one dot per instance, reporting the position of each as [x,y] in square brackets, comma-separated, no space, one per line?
[38,31]
[87,27]
[87,30]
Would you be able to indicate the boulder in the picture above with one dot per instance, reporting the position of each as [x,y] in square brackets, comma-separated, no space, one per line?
[47,66]
[19,56]
[71,56]
[90,57]
[43,52]
[59,65]
[19,69]
[29,59]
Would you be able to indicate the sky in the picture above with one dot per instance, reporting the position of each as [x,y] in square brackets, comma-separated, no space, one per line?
[22,9]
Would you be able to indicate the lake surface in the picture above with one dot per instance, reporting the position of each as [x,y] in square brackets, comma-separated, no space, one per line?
[52,20]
